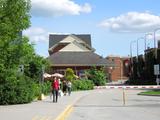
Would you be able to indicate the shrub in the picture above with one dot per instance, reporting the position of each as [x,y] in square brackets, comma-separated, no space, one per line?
[17,90]
[98,76]
[82,85]
[46,87]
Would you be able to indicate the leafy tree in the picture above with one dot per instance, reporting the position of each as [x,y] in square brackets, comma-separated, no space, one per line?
[15,50]
[14,17]
[98,76]
[69,74]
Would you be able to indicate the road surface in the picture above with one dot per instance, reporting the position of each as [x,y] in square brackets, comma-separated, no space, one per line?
[107,104]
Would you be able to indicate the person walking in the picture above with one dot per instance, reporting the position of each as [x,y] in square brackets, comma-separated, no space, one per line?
[69,86]
[64,87]
[55,88]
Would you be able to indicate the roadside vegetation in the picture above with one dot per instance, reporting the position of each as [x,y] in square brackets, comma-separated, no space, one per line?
[97,76]
[151,92]
[94,77]
[20,67]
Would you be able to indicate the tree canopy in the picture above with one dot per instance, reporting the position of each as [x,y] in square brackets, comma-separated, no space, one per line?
[16,51]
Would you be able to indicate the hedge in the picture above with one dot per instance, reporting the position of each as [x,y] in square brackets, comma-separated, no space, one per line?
[82,85]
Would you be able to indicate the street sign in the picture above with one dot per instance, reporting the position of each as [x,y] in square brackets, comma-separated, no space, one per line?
[156,69]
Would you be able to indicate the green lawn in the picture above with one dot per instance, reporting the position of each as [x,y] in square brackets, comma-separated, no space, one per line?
[151,92]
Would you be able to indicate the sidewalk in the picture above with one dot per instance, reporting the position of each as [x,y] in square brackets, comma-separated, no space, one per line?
[40,110]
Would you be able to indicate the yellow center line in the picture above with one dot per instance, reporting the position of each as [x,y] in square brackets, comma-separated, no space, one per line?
[65,113]
[35,117]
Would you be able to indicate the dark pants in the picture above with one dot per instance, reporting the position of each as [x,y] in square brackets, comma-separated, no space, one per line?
[55,95]
[69,90]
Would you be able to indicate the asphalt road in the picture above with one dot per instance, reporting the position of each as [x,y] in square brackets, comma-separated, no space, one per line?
[107,104]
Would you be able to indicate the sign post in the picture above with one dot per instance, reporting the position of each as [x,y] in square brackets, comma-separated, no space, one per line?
[156,72]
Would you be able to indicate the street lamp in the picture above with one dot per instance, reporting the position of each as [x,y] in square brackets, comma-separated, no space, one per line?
[131,47]
[131,50]
[121,75]
[154,33]
[110,73]
[138,46]
[131,56]
[146,39]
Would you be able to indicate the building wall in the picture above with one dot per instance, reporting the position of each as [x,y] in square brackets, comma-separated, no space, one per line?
[120,70]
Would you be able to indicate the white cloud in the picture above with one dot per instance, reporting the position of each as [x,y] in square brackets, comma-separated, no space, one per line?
[37,34]
[58,8]
[132,22]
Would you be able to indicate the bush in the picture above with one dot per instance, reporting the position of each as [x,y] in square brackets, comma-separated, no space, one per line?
[82,85]
[17,89]
[98,76]
[46,87]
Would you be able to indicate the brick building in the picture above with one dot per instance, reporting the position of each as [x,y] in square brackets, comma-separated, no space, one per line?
[121,69]
[74,51]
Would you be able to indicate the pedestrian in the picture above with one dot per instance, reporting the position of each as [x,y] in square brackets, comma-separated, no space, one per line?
[55,88]
[64,87]
[60,88]
[69,87]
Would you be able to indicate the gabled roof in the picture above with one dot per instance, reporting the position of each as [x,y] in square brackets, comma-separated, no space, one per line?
[78,59]
[56,38]
[74,46]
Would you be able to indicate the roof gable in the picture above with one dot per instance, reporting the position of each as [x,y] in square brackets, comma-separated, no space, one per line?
[56,38]
[75,46]
[67,39]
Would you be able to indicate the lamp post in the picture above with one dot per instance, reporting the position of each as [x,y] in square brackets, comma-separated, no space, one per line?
[110,73]
[138,46]
[138,55]
[154,34]
[131,50]
[155,47]
[131,47]
[145,39]
[121,75]
[131,55]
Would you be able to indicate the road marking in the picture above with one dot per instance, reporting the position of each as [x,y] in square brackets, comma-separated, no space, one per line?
[65,113]
[35,117]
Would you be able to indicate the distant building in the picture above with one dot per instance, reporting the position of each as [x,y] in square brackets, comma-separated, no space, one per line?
[74,51]
[121,69]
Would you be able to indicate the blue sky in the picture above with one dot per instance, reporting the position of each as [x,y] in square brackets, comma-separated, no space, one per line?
[113,24]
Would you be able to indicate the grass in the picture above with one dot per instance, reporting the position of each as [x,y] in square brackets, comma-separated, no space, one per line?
[150,92]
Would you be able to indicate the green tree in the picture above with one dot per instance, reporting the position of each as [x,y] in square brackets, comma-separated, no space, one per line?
[15,50]
[69,74]
[14,17]
[98,76]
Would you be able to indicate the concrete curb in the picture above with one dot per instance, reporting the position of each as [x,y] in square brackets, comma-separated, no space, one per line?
[128,87]
[148,95]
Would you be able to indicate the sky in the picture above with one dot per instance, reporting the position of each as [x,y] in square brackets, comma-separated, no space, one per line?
[114,25]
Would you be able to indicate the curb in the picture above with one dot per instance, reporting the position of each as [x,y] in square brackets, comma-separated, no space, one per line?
[148,95]
[128,87]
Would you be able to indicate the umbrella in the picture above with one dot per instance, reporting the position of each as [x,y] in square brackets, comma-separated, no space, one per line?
[57,75]
[46,75]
